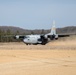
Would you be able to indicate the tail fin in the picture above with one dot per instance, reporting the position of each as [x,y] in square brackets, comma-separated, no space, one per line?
[53,29]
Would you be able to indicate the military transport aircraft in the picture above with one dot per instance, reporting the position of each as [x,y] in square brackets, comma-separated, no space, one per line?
[40,39]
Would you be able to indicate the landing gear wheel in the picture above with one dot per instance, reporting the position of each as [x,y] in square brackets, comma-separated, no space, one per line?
[43,43]
[27,44]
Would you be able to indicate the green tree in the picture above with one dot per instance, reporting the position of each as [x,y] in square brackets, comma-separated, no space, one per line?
[17,32]
[0,35]
[8,32]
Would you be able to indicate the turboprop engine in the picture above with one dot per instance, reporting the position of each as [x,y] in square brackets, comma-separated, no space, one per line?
[19,37]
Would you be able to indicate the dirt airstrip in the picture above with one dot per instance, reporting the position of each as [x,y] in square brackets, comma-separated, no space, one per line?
[55,58]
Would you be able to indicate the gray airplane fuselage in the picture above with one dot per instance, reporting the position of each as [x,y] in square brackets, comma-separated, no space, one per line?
[32,39]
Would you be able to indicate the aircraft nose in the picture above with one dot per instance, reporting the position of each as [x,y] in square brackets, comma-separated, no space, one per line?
[25,40]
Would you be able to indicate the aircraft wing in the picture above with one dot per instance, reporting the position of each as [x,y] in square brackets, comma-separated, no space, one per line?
[63,35]
[66,35]
[15,36]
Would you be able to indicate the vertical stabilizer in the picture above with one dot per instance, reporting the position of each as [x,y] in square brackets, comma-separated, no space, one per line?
[53,29]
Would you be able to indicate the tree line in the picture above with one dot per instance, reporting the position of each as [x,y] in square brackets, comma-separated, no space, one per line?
[8,36]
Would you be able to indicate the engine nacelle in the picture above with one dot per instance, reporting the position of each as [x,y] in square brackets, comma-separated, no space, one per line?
[19,37]
[51,37]
[44,39]
[56,36]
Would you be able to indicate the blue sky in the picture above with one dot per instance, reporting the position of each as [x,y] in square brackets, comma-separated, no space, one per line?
[37,14]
